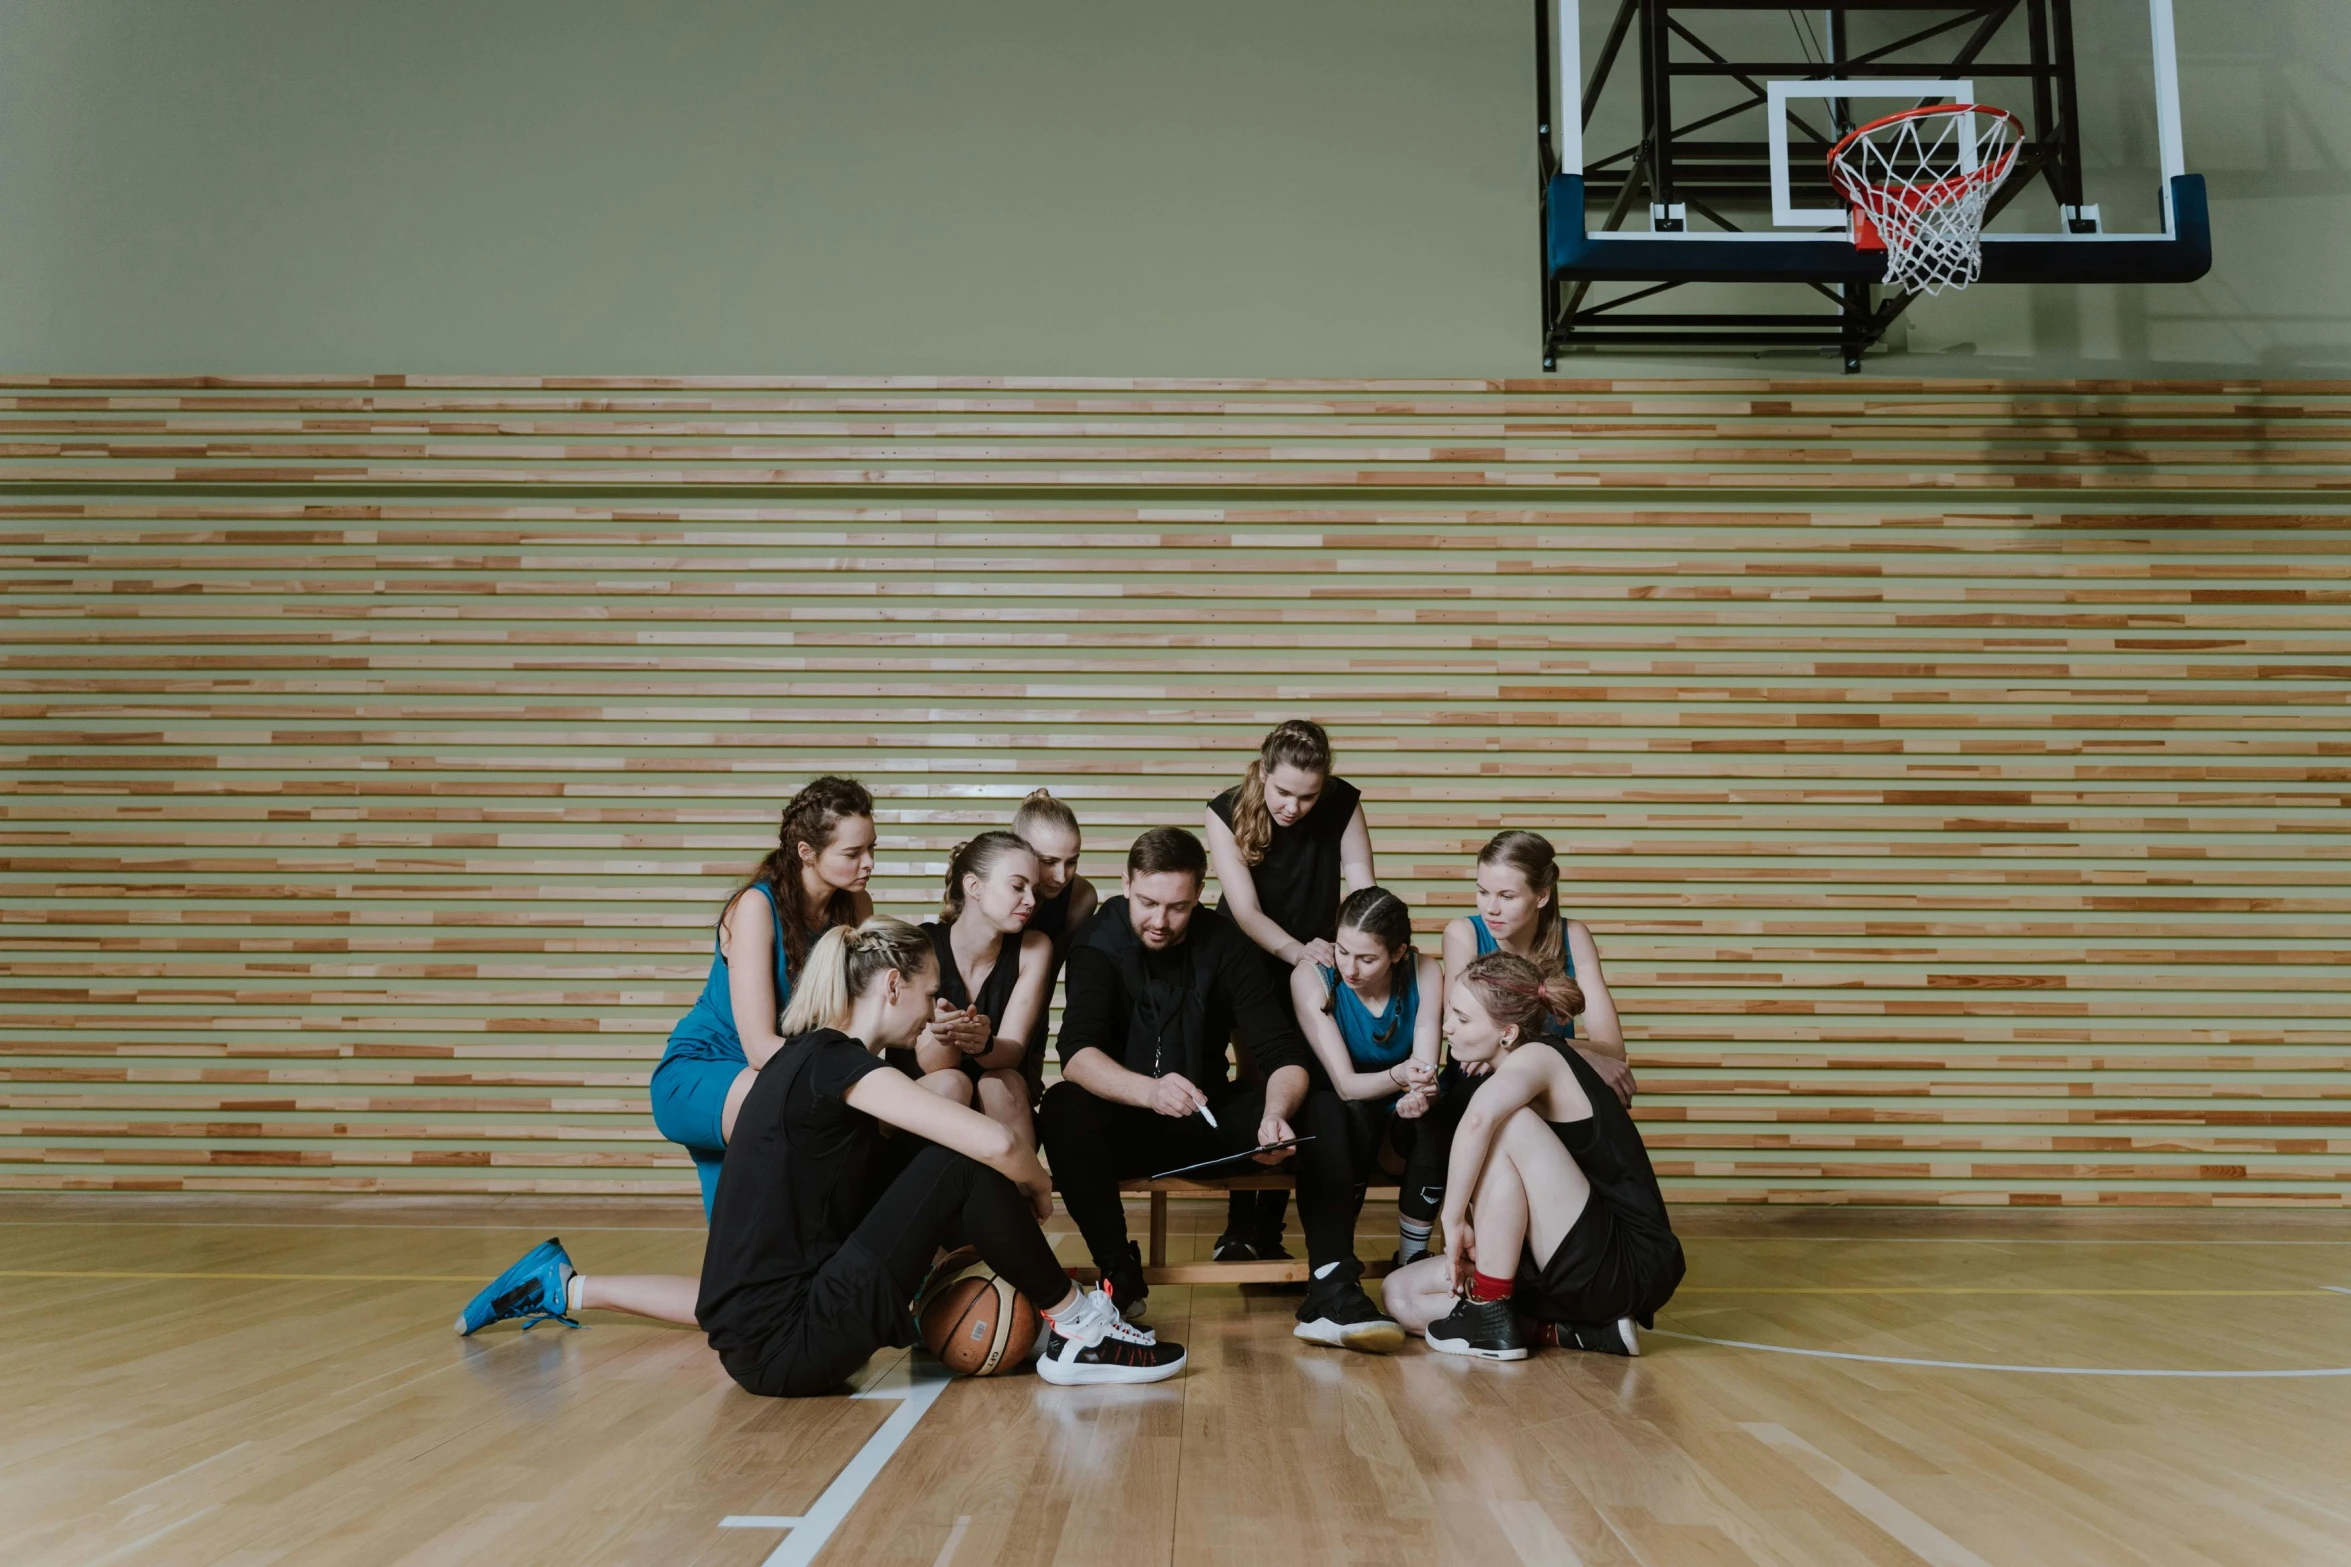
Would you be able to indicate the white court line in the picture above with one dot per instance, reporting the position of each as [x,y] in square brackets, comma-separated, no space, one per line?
[176,1473]
[1913,1533]
[915,1389]
[145,1540]
[1979,1365]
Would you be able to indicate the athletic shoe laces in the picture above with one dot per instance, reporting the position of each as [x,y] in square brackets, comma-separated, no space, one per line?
[1097,1319]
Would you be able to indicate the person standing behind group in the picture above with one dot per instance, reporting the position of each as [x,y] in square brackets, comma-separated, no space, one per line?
[1372,1018]
[1287,841]
[812,880]
[993,974]
[1065,901]
[1519,912]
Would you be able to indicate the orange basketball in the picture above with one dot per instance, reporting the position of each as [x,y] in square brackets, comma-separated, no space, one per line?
[976,1323]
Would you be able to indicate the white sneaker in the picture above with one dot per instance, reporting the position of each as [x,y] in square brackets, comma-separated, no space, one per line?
[1091,1343]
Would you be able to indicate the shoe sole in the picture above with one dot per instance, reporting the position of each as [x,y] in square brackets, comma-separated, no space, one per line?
[1060,1375]
[1372,1338]
[1462,1346]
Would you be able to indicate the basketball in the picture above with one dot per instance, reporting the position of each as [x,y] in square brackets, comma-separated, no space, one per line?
[975,1323]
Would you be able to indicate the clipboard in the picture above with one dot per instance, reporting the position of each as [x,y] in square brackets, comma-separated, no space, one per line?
[1228,1158]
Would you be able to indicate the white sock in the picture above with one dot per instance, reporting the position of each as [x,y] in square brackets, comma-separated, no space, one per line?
[571,1294]
[1412,1237]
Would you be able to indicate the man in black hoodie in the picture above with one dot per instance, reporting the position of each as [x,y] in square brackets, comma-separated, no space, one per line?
[1157,988]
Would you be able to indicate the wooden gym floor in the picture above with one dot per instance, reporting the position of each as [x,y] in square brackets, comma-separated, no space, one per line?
[275,1380]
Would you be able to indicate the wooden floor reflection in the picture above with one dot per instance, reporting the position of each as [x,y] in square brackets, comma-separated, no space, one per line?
[199,1381]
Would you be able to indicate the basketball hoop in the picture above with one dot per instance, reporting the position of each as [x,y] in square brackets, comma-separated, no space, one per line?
[1919,183]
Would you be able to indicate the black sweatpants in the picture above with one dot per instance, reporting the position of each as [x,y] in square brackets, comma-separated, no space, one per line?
[1094,1144]
[813,1333]
[1424,1141]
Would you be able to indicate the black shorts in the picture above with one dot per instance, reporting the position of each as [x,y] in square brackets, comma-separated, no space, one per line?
[814,1332]
[1604,1269]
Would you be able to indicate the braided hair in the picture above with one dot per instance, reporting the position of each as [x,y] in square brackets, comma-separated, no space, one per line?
[1297,742]
[845,963]
[813,817]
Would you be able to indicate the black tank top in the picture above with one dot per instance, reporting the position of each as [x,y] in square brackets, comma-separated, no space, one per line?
[1607,1147]
[995,991]
[1298,881]
[1051,915]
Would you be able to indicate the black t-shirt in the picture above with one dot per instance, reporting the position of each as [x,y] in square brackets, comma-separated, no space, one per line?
[794,1185]
[1298,880]
[1177,1010]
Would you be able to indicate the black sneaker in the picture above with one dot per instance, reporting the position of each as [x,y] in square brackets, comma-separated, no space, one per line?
[1233,1246]
[1089,1344]
[1123,1282]
[1620,1337]
[1337,1312]
[1269,1247]
[1487,1329]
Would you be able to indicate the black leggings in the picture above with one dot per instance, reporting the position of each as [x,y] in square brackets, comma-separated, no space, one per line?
[1425,1141]
[941,1198]
[1095,1144]
[856,1303]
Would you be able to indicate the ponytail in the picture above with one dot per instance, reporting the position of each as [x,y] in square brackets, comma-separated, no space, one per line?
[1517,995]
[1043,806]
[977,857]
[1531,855]
[1296,742]
[844,964]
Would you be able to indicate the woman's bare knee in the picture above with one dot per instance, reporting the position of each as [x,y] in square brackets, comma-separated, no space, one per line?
[951,1086]
[1418,1293]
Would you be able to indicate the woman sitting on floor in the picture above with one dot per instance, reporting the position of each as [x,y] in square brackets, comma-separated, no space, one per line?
[1571,1230]
[825,1228]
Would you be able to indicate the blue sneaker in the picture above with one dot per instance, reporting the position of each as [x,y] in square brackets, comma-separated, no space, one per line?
[535,1287]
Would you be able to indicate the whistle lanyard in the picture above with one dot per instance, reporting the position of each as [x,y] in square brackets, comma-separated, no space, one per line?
[1147,1002]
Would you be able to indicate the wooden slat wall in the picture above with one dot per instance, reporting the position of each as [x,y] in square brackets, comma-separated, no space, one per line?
[1954,772]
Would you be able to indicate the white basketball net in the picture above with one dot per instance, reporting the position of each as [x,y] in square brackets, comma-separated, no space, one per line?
[1922,179]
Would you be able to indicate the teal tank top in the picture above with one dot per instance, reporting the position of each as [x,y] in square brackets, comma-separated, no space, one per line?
[1376,1043]
[1487,943]
[707,1032]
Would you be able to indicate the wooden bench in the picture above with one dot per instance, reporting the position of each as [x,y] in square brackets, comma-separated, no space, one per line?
[1158,1270]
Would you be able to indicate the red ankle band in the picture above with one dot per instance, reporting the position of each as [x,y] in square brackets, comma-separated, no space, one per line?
[1483,1288]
